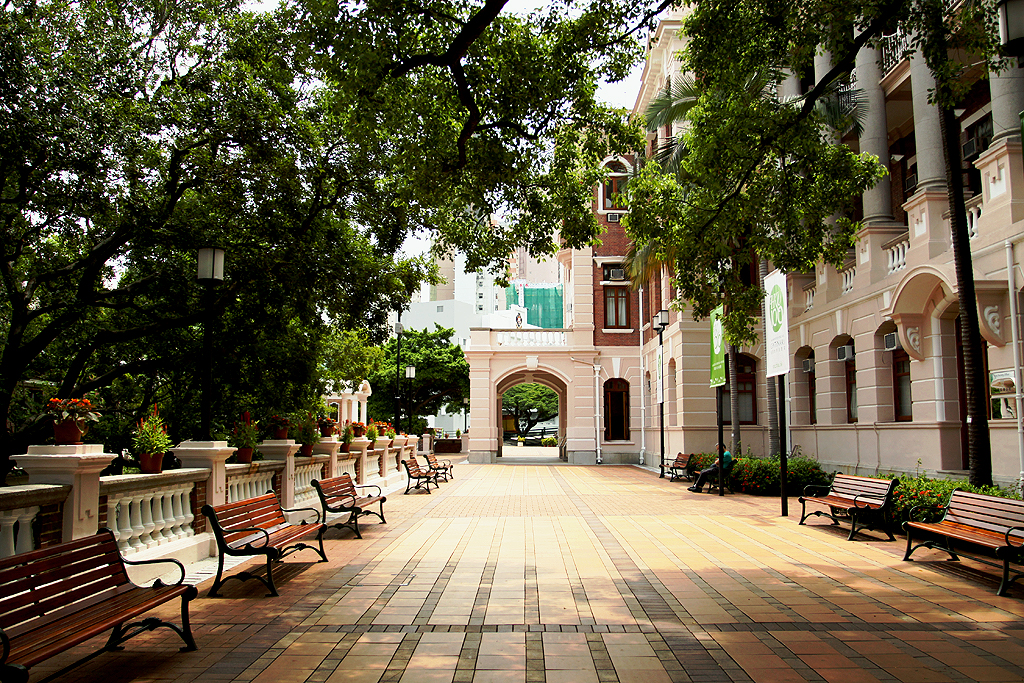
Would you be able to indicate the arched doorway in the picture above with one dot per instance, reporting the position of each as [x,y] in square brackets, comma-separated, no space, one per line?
[532,450]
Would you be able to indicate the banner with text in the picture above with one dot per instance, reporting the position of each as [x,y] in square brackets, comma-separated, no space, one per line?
[717,348]
[776,343]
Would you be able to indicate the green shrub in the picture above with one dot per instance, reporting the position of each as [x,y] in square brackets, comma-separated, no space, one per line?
[762,476]
[549,441]
[917,491]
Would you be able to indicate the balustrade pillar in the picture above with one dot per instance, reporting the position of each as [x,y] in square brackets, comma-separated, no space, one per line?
[79,467]
[210,455]
[283,449]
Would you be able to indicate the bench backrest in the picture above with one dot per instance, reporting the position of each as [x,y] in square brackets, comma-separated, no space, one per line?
[37,586]
[336,490]
[412,466]
[863,488]
[262,512]
[432,459]
[682,460]
[980,511]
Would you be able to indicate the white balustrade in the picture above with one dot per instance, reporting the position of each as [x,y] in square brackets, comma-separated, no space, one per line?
[848,276]
[531,337]
[304,475]
[250,485]
[973,216]
[16,530]
[145,519]
[897,256]
[347,467]
[809,298]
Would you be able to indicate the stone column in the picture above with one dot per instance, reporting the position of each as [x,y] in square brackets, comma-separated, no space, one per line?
[329,447]
[931,166]
[210,455]
[77,466]
[874,138]
[1007,91]
[790,87]
[283,449]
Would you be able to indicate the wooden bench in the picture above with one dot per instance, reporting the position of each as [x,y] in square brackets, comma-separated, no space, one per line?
[683,467]
[442,467]
[867,502]
[338,495]
[60,596]
[989,523]
[257,526]
[414,473]
[726,478]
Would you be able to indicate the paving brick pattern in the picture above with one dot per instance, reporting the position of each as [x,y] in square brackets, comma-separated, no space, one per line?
[558,574]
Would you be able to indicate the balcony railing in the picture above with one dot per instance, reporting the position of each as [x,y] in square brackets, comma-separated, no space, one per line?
[531,337]
[896,253]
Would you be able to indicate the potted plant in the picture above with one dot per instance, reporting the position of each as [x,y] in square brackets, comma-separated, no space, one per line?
[308,435]
[326,425]
[150,442]
[346,438]
[279,425]
[70,416]
[244,437]
[371,432]
[358,429]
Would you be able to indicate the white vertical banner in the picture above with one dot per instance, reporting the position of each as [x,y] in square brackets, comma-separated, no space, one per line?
[777,335]
[661,374]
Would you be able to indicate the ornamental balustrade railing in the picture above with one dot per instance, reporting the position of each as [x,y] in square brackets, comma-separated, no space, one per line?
[29,513]
[146,511]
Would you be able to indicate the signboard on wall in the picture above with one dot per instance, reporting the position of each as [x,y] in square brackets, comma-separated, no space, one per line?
[776,341]
[717,348]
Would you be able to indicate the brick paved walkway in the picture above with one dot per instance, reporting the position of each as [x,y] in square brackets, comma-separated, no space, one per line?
[582,574]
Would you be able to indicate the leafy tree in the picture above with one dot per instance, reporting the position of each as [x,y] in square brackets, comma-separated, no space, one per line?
[442,378]
[529,404]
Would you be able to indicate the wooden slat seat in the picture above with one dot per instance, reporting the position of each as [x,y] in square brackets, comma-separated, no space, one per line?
[990,524]
[338,495]
[257,526]
[421,477]
[442,467]
[865,501]
[60,596]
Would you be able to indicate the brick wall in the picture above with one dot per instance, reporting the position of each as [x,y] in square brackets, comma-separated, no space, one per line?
[614,242]
[49,525]
[197,499]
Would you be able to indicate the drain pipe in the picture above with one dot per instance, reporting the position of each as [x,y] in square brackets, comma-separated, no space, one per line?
[643,398]
[1011,276]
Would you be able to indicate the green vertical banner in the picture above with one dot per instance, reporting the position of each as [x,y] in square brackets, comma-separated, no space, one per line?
[717,348]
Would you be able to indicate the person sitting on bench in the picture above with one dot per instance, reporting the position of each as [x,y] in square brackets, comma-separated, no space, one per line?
[706,474]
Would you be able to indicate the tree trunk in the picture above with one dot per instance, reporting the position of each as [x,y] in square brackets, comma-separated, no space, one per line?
[773,413]
[979,447]
[734,401]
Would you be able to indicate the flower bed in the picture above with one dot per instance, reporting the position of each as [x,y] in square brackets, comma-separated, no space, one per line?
[924,491]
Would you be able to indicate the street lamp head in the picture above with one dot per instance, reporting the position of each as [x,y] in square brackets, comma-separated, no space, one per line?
[661,320]
[210,264]
[1011,26]
[410,371]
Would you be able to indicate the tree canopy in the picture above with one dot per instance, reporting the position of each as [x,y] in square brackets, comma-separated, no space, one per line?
[308,142]
[529,404]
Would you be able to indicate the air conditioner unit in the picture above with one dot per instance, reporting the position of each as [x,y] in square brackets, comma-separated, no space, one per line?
[616,273]
[845,352]
[891,342]
[910,182]
[808,365]
[970,149]
[613,217]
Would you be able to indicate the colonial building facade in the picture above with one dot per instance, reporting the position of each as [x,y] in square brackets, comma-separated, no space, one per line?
[877,381]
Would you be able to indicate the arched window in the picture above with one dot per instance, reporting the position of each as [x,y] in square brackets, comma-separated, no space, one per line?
[614,184]
[745,370]
[616,410]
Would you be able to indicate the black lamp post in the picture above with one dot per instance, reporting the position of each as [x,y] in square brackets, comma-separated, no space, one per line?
[465,417]
[210,270]
[410,374]
[398,377]
[660,323]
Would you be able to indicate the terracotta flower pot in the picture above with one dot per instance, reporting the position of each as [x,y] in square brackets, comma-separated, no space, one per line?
[358,431]
[151,463]
[243,455]
[280,433]
[67,433]
[344,448]
[306,450]
[327,430]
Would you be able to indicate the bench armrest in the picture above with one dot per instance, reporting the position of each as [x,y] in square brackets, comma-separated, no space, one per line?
[313,510]
[158,583]
[815,489]
[857,498]
[1012,529]
[914,510]
[367,486]
[5,643]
